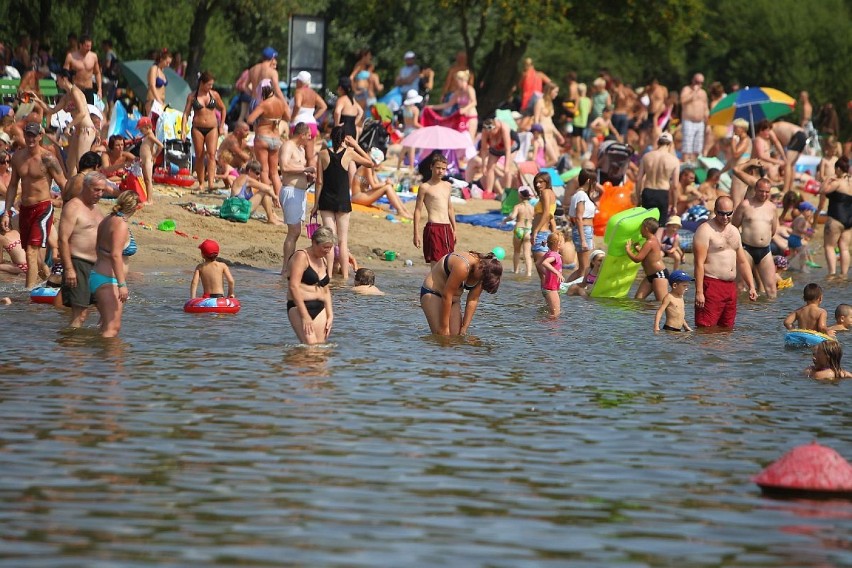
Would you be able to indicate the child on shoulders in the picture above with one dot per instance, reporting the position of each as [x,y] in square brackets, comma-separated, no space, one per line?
[810,316]
[673,304]
[211,273]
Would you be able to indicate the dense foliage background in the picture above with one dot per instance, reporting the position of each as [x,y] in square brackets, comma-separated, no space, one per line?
[788,44]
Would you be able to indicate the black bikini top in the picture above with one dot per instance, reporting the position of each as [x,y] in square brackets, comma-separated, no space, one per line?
[211,103]
[311,278]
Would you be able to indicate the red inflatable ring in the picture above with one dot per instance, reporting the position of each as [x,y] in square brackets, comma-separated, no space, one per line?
[212,306]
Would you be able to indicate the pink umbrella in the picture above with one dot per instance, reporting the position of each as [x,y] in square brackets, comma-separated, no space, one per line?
[437,138]
[808,470]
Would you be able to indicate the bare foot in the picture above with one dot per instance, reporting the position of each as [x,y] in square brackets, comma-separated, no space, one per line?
[276,222]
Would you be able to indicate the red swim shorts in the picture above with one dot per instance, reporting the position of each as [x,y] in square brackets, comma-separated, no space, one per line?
[35,222]
[438,240]
[720,304]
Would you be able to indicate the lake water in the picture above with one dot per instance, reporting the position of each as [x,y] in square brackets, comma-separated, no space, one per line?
[586,441]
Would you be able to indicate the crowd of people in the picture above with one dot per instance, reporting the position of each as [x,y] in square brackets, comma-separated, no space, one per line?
[280,147]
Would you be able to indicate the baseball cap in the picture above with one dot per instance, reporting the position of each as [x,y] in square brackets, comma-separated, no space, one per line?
[807,206]
[209,248]
[144,121]
[665,138]
[304,77]
[409,55]
[674,220]
[679,276]
[269,53]
[33,128]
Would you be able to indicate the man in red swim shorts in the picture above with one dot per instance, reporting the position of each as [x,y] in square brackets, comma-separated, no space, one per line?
[718,254]
[439,233]
[35,168]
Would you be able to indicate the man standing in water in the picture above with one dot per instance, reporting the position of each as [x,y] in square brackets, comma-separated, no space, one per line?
[78,232]
[694,112]
[657,182]
[718,254]
[83,63]
[757,217]
[296,177]
[34,167]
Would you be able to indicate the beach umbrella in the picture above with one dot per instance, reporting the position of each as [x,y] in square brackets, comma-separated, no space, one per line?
[437,138]
[752,104]
[810,468]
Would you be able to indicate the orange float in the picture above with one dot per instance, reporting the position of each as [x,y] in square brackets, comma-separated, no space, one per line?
[615,199]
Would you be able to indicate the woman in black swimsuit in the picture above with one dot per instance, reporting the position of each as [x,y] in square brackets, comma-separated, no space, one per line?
[333,200]
[206,126]
[455,273]
[838,228]
[308,296]
[347,113]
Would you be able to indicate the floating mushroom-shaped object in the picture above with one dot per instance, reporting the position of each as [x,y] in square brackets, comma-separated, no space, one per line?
[808,471]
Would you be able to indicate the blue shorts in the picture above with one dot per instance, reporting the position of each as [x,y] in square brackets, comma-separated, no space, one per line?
[540,244]
[589,233]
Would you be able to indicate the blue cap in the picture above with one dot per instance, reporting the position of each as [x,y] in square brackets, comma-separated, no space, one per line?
[807,206]
[679,276]
[269,53]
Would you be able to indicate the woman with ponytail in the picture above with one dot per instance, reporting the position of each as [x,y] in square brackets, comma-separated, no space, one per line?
[347,113]
[455,273]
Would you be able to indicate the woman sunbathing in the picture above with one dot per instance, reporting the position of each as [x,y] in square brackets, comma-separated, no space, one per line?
[367,189]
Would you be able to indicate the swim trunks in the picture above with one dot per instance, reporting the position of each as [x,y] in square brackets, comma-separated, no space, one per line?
[664,273]
[757,253]
[438,241]
[693,138]
[720,304]
[35,222]
[669,328]
[798,141]
[658,198]
[79,296]
[793,241]
[293,204]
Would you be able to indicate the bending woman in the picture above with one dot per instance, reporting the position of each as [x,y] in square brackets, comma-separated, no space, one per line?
[206,126]
[308,295]
[108,279]
[266,117]
[838,227]
[367,189]
[455,273]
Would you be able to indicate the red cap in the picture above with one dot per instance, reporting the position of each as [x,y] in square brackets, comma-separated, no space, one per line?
[209,248]
[144,121]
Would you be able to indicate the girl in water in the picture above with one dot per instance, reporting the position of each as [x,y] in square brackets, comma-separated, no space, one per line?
[550,269]
[827,356]
[308,295]
[451,276]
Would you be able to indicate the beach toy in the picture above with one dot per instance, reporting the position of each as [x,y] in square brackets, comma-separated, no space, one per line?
[167,225]
[809,470]
[804,338]
[499,252]
[390,217]
[785,283]
[568,175]
[43,295]
[212,306]
[812,187]
[409,262]
[390,255]
[618,272]
[614,199]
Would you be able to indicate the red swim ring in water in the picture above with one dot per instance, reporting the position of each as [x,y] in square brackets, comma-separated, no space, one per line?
[212,306]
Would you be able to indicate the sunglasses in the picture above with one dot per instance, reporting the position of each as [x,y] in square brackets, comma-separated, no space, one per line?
[725,213]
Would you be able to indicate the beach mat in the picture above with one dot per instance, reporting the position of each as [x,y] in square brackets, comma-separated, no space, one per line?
[492,220]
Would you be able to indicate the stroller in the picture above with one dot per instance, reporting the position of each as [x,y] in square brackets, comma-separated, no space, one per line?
[177,156]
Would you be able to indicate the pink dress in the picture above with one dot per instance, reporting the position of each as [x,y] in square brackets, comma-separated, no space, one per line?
[550,280]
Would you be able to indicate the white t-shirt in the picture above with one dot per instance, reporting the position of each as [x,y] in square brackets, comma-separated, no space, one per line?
[590,208]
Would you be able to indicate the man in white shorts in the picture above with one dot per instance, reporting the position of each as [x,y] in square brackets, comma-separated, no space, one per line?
[694,111]
[296,177]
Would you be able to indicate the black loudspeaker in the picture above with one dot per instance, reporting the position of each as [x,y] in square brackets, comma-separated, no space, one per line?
[307,49]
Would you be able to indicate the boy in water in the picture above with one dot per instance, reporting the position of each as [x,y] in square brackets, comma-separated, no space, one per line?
[211,272]
[365,283]
[651,257]
[842,318]
[810,316]
[673,304]
[439,233]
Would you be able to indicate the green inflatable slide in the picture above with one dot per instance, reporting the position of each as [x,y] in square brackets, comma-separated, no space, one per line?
[618,272]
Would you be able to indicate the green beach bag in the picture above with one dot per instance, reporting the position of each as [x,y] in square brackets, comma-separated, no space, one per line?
[236,209]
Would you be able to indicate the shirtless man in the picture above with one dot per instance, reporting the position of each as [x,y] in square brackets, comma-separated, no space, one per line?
[657,182]
[718,255]
[794,139]
[235,146]
[757,219]
[83,63]
[694,112]
[265,72]
[89,162]
[78,231]
[34,167]
[496,142]
[296,177]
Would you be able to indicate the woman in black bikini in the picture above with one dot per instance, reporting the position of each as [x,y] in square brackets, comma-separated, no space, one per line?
[440,294]
[308,296]
[838,228]
[206,126]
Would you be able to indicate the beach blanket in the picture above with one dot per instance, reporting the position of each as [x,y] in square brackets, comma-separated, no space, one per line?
[492,220]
